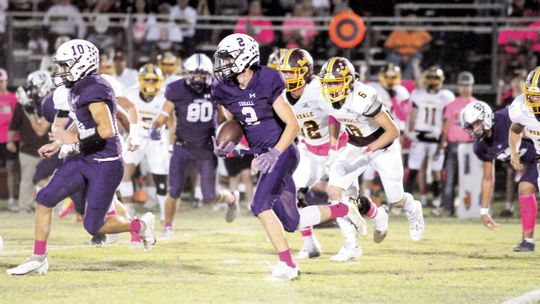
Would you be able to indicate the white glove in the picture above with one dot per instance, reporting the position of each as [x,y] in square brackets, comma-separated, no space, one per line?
[22,97]
[67,150]
[134,139]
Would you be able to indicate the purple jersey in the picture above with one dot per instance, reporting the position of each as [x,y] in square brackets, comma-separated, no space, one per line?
[253,106]
[90,89]
[47,110]
[196,113]
[496,147]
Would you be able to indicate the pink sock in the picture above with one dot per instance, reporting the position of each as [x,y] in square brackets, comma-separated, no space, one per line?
[285,256]
[168,225]
[529,208]
[338,210]
[306,231]
[111,213]
[372,210]
[40,247]
[134,230]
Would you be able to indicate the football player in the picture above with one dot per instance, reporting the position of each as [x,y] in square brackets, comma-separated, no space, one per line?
[254,95]
[425,127]
[490,133]
[148,99]
[169,64]
[525,115]
[97,169]
[372,141]
[196,119]
[319,135]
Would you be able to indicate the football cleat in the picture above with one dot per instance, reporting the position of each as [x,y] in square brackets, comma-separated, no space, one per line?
[355,217]
[313,251]
[232,209]
[112,238]
[98,239]
[416,221]
[166,233]
[34,264]
[283,272]
[524,246]
[380,225]
[147,231]
[347,253]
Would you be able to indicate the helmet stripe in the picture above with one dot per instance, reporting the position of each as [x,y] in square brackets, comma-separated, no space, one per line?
[286,58]
[534,81]
[330,67]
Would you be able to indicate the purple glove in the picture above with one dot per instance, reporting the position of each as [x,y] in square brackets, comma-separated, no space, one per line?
[267,161]
[223,149]
[155,133]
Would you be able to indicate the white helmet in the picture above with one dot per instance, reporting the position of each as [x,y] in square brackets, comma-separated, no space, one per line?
[198,64]
[39,83]
[235,53]
[473,112]
[75,59]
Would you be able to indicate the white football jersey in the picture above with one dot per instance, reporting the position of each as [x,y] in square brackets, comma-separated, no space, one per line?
[520,113]
[312,119]
[147,112]
[357,113]
[430,110]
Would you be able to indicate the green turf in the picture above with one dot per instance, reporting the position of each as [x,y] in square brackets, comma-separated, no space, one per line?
[210,261]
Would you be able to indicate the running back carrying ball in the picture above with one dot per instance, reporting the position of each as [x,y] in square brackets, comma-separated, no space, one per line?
[229,131]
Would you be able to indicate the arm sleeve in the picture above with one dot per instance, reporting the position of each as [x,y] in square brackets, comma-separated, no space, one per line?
[16,120]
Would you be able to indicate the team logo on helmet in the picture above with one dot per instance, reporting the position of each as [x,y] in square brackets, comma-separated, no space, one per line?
[477,118]
[297,68]
[337,75]
[150,79]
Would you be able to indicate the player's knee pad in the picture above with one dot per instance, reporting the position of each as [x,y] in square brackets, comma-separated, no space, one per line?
[435,188]
[161,183]
[126,189]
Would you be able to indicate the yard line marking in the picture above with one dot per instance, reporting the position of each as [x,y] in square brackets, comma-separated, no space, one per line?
[529,297]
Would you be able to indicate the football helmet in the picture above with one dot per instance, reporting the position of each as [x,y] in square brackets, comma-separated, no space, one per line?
[475,113]
[167,62]
[150,79]
[198,69]
[389,75]
[433,79]
[75,59]
[337,77]
[297,68]
[235,54]
[531,90]
[38,85]
[275,59]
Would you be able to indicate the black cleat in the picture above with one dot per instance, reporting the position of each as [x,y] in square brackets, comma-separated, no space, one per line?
[524,246]
[98,239]
[507,213]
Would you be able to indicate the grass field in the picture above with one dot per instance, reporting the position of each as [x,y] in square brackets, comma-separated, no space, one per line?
[210,261]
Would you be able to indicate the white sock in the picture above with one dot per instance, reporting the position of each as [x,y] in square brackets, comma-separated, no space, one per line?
[409,200]
[349,232]
[152,195]
[530,240]
[161,201]
[197,193]
[309,216]
[510,206]
[436,202]
[308,239]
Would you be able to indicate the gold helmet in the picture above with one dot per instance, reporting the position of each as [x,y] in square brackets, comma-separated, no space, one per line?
[299,64]
[167,62]
[433,79]
[531,90]
[274,60]
[390,75]
[150,79]
[106,65]
[337,77]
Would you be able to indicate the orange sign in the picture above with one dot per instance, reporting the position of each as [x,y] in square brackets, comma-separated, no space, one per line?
[347,29]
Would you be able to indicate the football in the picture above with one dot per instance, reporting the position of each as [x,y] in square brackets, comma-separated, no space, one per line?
[228,131]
